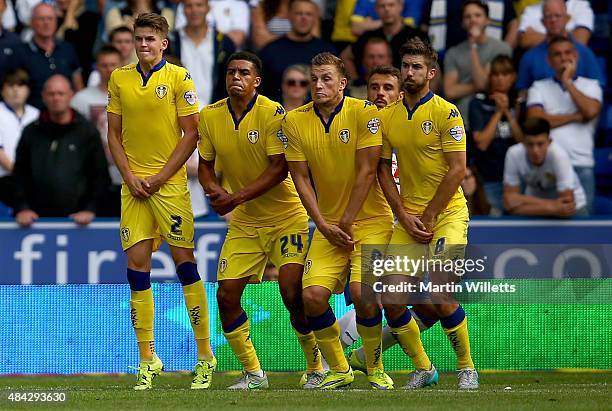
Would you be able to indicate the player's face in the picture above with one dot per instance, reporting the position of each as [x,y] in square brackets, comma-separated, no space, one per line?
[326,84]
[241,78]
[537,146]
[415,74]
[383,89]
[124,42]
[106,64]
[149,45]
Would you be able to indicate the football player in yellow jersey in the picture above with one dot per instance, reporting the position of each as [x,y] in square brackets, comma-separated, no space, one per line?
[428,137]
[151,104]
[268,220]
[336,140]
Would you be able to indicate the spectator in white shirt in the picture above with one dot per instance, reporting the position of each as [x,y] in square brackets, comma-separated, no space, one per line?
[571,105]
[580,21]
[15,114]
[91,101]
[551,187]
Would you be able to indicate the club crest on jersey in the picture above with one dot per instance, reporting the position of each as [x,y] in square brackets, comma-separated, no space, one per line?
[307,266]
[253,136]
[456,133]
[283,138]
[125,234]
[373,125]
[190,97]
[161,90]
[427,126]
[222,265]
[344,135]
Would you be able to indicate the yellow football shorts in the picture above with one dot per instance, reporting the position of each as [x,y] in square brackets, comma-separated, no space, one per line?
[166,215]
[246,249]
[327,265]
[448,242]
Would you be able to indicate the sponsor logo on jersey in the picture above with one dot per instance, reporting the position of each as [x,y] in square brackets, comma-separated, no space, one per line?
[344,135]
[373,125]
[190,97]
[279,110]
[456,133]
[187,76]
[161,90]
[427,126]
[253,136]
[367,103]
[453,113]
[440,245]
[283,138]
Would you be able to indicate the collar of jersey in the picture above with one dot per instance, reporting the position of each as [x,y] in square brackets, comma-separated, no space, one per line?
[244,113]
[146,77]
[331,118]
[419,103]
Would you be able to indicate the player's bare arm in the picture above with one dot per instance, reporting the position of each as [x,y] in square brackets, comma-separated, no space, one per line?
[135,184]
[411,223]
[180,155]
[301,179]
[208,179]
[273,175]
[366,160]
[448,187]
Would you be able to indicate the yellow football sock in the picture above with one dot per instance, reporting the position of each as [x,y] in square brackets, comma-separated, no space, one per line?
[371,338]
[142,311]
[242,346]
[329,344]
[308,342]
[197,309]
[409,338]
[460,340]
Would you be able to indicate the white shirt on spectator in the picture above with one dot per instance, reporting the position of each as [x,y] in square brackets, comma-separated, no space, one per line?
[580,11]
[12,126]
[225,15]
[576,138]
[199,60]
[546,181]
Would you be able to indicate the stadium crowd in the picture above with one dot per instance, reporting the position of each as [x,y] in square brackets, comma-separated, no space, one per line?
[503,62]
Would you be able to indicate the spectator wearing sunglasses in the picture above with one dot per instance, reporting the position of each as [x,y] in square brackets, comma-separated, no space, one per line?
[295,86]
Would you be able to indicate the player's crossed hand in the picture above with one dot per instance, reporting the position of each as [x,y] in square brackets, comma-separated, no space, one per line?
[416,228]
[137,187]
[337,236]
[221,201]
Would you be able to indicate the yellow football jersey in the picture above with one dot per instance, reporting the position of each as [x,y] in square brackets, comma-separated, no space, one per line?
[149,106]
[243,146]
[330,151]
[420,137]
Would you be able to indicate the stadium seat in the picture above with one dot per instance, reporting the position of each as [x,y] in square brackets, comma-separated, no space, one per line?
[602,205]
[603,169]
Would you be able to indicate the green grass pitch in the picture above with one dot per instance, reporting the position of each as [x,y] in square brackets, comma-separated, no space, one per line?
[529,390]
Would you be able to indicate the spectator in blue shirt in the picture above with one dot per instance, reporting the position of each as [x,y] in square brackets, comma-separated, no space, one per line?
[534,64]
